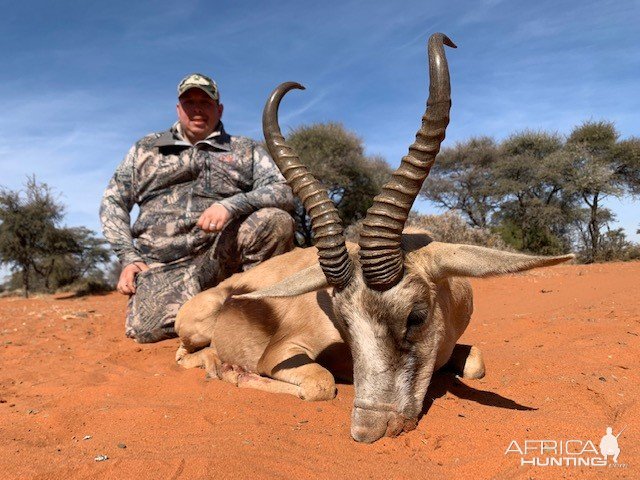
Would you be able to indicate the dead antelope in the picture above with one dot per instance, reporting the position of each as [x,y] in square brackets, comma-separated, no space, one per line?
[385,313]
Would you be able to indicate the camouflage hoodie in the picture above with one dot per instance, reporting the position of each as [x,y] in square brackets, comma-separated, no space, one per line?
[173,182]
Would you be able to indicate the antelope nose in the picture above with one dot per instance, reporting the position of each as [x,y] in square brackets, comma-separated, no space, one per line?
[367,426]
[398,424]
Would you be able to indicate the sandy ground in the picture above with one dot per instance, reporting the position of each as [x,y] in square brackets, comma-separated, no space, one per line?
[559,344]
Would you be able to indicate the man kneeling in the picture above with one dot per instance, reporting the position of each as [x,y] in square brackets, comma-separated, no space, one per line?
[210,205]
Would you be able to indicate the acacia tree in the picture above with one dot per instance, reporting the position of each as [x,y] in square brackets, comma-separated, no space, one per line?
[36,247]
[79,254]
[601,167]
[514,186]
[336,158]
[535,209]
[542,193]
[27,226]
[462,179]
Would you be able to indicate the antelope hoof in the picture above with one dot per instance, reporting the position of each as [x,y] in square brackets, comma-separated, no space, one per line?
[317,390]
[474,364]
[228,373]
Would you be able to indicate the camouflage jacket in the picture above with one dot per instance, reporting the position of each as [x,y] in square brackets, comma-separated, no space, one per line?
[173,182]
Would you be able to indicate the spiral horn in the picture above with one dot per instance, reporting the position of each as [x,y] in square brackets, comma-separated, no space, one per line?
[325,220]
[380,251]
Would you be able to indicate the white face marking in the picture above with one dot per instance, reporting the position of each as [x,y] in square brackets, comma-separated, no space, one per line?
[367,336]
[388,368]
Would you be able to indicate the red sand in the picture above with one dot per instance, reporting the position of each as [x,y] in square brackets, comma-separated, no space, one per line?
[559,345]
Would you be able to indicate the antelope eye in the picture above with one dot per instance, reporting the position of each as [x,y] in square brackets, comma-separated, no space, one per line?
[417,317]
[415,321]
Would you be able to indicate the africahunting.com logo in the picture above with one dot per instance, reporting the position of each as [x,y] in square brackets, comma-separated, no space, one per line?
[569,453]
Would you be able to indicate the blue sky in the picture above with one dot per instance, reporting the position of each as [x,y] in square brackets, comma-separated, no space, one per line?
[82,81]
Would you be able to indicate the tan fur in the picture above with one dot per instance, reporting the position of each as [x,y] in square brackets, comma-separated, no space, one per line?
[262,335]
[300,343]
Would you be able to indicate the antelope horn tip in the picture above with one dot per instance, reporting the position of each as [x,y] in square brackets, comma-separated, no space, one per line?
[292,85]
[445,39]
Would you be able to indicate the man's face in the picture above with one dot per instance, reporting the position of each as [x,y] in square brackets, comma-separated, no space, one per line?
[198,114]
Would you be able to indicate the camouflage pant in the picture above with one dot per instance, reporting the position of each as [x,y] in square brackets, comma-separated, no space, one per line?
[164,288]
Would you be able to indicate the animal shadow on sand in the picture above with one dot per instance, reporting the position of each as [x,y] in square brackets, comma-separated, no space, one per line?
[445,381]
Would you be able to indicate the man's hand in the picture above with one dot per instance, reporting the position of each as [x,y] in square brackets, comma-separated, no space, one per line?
[214,218]
[126,283]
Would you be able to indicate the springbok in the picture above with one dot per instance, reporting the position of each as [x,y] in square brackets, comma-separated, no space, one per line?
[385,313]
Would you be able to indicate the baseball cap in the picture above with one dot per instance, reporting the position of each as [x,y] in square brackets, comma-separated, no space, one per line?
[198,80]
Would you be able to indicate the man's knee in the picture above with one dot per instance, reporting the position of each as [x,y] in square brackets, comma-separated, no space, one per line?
[265,233]
[152,309]
[273,220]
[146,323]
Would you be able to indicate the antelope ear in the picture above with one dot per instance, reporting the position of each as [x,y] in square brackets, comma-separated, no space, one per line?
[308,280]
[454,260]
